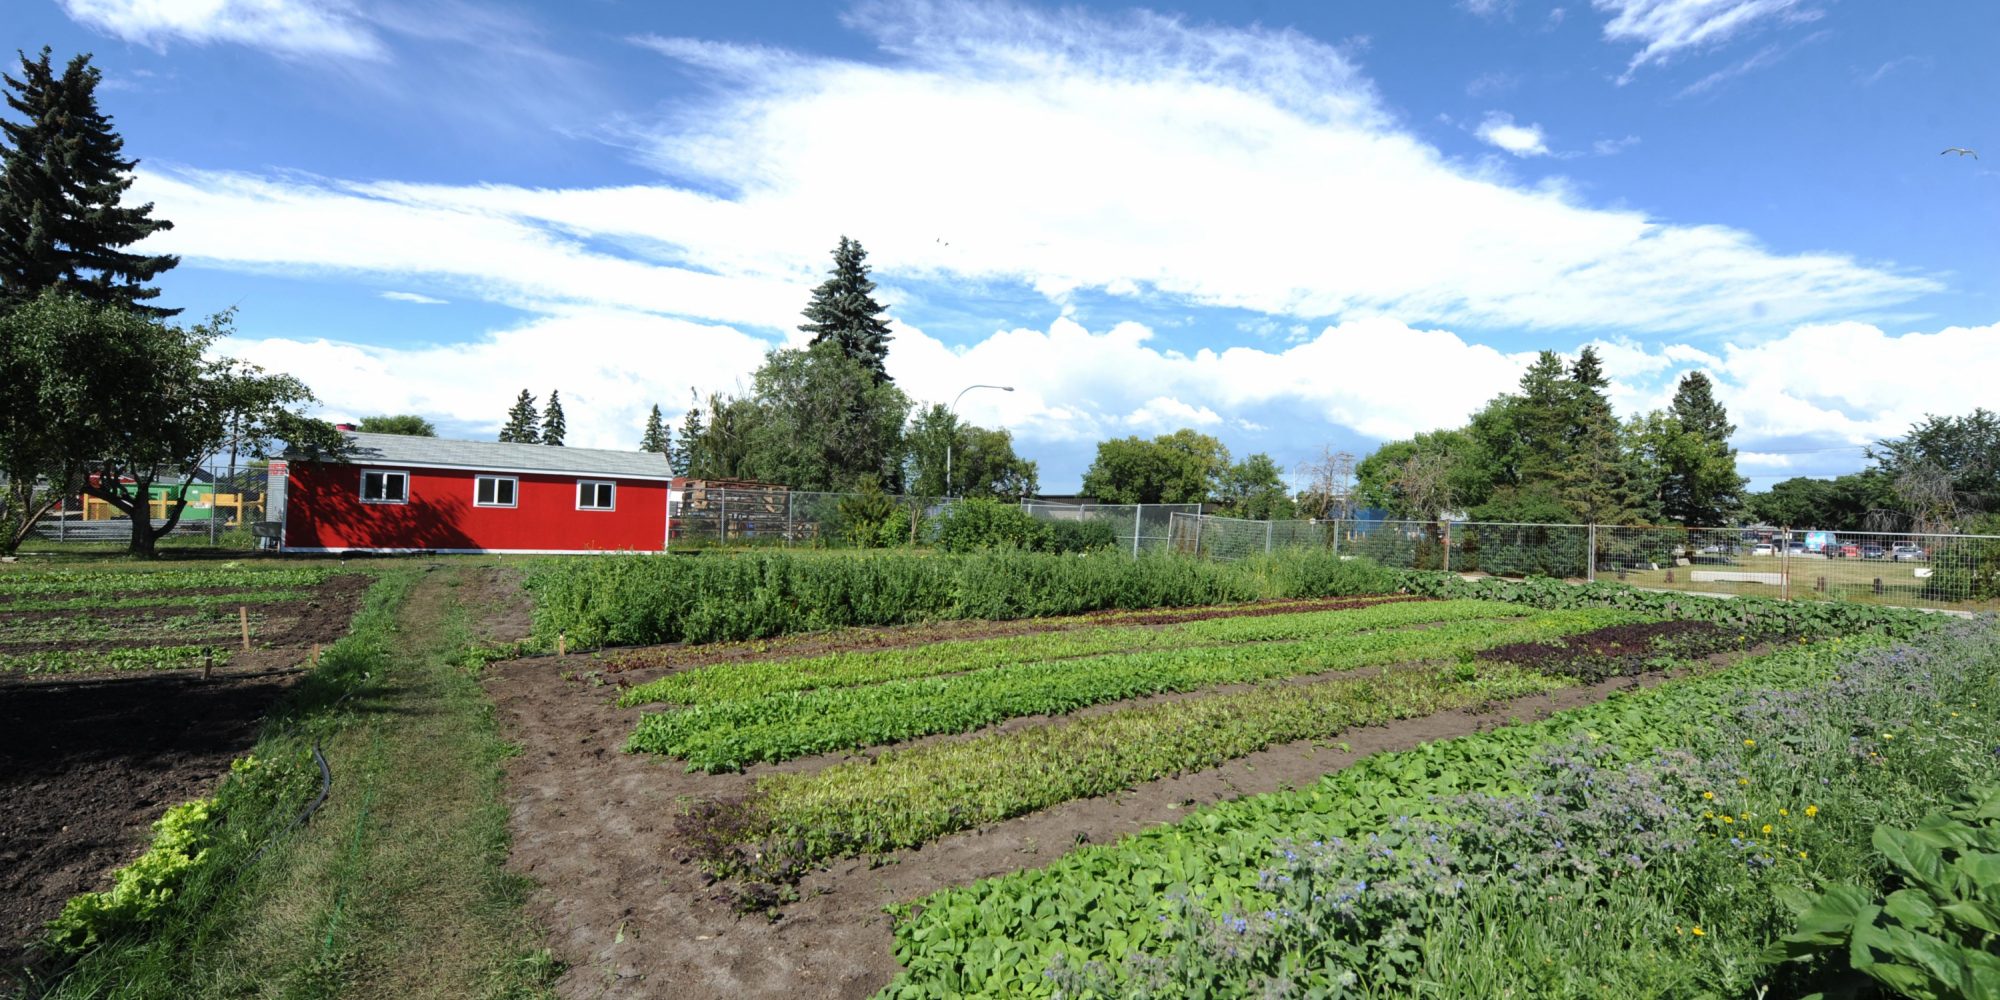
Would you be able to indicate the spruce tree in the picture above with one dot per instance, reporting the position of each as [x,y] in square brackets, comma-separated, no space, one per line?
[1698,480]
[843,309]
[686,457]
[655,437]
[522,421]
[552,421]
[62,175]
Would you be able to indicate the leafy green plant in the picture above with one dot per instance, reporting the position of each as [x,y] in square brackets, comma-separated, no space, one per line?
[976,524]
[141,889]
[1937,937]
[744,681]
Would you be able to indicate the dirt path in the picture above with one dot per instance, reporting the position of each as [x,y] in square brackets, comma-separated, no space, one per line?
[594,828]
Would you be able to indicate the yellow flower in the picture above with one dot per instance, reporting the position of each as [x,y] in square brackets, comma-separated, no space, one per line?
[1954,715]
[1767,828]
[1784,812]
[1812,810]
[1802,855]
[1698,932]
[1888,736]
[1726,818]
[1708,815]
[1708,795]
[1749,743]
[1743,781]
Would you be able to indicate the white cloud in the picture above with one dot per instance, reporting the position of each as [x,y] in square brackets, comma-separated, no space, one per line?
[289,27]
[1499,129]
[610,366]
[1492,84]
[1665,28]
[1612,147]
[1489,8]
[1058,152]
[415,297]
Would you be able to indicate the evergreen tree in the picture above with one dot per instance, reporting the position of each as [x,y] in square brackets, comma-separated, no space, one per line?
[522,421]
[552,421]
[1698,480]
[686,458]
[843,309]
[62,175]
[655,437]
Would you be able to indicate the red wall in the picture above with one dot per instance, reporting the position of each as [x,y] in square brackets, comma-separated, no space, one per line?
[323,510]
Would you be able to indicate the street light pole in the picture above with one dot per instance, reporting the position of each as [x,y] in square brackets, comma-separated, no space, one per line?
[953,430]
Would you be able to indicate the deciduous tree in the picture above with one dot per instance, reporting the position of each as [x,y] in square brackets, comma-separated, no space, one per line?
[408,424]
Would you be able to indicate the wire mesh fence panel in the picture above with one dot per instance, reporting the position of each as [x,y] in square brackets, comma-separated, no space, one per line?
[1396,544]
[1144,527]
[1521,550]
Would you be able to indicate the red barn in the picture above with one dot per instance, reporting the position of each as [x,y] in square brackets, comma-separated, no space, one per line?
[394,493]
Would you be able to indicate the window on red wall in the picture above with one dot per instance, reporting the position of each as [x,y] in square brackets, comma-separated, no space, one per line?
[596,494]
[495,491]
[384,486]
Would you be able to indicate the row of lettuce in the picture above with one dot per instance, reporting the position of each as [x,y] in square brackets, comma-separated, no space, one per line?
[1809,818]
[637,600]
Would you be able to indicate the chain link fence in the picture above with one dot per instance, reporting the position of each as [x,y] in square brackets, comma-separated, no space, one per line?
[737,517]
[1952,572]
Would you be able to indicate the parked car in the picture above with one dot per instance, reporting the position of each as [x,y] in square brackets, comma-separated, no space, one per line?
[1842,550]
[1874,552]
[1908,552]
[1764,549]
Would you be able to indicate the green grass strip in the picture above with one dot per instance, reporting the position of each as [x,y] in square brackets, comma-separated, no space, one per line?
[729,735]
[997,936]
[908,798]
[743,681]
[79,661]
[168,600]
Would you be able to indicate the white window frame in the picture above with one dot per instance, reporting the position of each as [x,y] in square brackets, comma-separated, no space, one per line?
[593,483]
[513,491]
[362,487]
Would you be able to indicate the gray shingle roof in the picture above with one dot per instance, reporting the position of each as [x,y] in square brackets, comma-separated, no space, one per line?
[438,453]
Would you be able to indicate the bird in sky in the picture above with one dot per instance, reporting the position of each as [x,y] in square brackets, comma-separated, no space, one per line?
[1960,150]
[941,242]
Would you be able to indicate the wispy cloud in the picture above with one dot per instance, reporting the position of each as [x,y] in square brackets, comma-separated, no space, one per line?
[1893,65]
[415,297]
[1769,55]
[1489,8]
[1612,147]
[1499,129]
[1666,28]
[287,27]
[1492,84]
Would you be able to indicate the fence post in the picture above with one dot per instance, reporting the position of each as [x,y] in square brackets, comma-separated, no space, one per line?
[1785,567]
[788,520]
[1138,519]
[1267,536]
[1197,535]
[1446,536]
[722,529]
[1590,557]
[1336,538]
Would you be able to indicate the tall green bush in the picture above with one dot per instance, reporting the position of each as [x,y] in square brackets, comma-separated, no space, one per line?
[635,600]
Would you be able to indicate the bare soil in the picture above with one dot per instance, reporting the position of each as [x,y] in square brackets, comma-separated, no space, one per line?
[88,762]
[283,627]
[594,828]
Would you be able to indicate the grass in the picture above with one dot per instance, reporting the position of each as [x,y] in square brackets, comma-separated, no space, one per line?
[398,886]
[1813,578]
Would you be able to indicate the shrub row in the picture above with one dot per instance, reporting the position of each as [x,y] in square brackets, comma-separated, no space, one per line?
[637,600]
[743,681]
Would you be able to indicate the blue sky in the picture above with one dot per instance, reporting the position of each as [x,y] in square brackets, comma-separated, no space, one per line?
[1292,225]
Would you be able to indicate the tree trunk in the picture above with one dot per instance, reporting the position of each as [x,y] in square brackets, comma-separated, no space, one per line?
[21,498]
[139,507]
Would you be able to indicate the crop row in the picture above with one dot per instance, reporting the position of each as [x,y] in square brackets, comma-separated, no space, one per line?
[1757,615]
[85,628]
[742,681]
[93,660]
[629,601]
[907,798]
[17,586]
[107,602]
[730,735]
[1778,733]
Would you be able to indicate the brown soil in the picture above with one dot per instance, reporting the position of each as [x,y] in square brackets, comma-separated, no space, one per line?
[286,628]
[86,766]
[681,656]
[499,608]
[593,826]
[88,762]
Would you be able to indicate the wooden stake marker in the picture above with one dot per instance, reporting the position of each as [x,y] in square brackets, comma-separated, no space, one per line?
[207,663]
[243,615]
[562,643]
